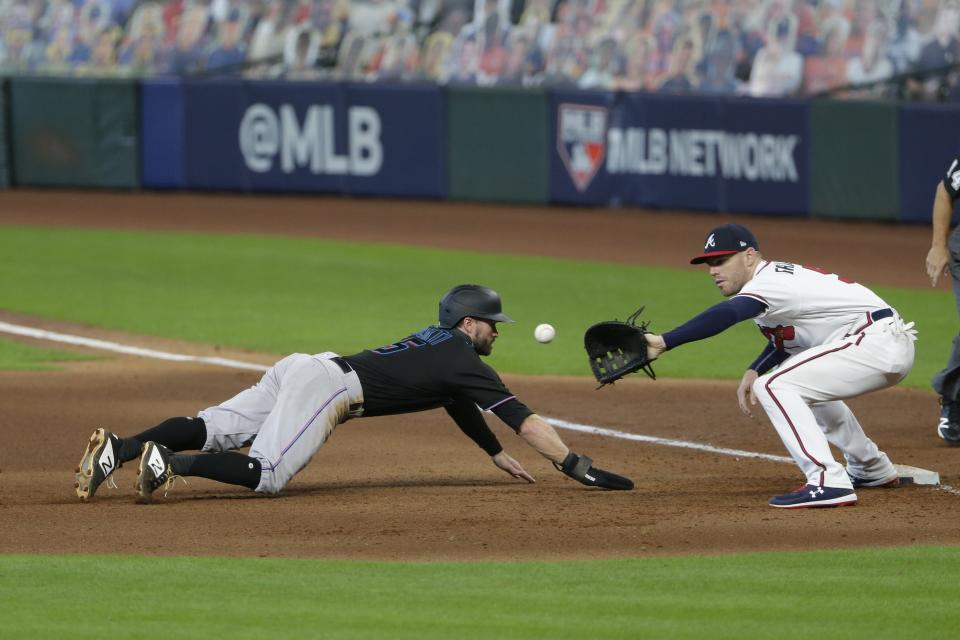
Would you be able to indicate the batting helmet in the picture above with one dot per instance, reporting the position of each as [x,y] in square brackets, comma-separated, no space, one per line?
[470,300]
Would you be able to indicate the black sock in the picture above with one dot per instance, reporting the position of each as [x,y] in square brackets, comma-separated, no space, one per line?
[176,434]
[229,467]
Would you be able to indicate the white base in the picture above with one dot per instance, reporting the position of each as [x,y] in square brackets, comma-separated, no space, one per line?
[915,475]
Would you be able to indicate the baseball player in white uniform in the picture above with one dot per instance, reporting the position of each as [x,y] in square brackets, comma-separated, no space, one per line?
[828,339]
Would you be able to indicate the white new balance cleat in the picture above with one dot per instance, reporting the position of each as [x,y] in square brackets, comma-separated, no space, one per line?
[98,463]
[154,471]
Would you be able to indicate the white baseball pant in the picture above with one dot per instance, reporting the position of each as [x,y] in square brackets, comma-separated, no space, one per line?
[287,416]
[803,398]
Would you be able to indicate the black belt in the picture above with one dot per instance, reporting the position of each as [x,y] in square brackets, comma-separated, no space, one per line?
[346,368]
[880,314]
[356,407]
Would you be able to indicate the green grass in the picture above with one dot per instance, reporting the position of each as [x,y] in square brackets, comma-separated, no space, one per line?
[280,294]
[875,593]
[18,356]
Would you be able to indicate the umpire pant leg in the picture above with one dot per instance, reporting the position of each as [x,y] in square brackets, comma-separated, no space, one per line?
[947,382]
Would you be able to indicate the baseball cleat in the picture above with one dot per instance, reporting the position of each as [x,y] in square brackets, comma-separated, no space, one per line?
[154,471]
[98,463]
[947,427]
[813,496]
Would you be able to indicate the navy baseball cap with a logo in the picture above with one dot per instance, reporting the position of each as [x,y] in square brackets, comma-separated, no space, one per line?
[726,240]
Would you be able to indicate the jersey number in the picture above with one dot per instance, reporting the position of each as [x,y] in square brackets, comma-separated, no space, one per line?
[410,343]
[427,336]
[777,335]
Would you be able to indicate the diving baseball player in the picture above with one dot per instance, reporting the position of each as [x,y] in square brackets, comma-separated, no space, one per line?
[828,339]
[290,413]
[943,258]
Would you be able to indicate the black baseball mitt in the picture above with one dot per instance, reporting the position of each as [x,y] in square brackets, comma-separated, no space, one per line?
[618,348]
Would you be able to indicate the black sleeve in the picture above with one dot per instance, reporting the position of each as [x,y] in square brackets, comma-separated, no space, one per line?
[951,181]
[717,318]
[768,359]
[471,422]
[479,383]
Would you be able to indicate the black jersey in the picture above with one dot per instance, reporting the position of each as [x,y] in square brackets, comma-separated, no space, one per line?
[952,180]
[434,368]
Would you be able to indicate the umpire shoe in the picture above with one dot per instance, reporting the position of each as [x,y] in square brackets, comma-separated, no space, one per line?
[154,471]
[813,496]
[98,463]
[948,428]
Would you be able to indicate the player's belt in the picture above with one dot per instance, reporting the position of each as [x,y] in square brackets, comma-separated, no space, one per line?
[346,368]
[356,409]
[880,314]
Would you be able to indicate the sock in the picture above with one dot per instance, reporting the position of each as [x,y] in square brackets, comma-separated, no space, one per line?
[177,434]
[229,467]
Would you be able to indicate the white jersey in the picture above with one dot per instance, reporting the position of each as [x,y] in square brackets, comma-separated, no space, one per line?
[807,307]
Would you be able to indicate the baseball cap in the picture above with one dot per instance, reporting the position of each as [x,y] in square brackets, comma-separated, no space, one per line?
[725,240]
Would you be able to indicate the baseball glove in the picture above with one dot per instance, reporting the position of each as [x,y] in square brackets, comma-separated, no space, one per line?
[617,348]
[581,469]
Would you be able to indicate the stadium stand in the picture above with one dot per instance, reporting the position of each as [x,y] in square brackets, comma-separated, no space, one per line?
[771,48]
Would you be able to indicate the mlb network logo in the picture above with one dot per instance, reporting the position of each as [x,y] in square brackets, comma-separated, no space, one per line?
[582,141]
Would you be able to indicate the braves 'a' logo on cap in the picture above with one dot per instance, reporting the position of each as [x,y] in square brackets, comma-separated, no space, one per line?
[711,242]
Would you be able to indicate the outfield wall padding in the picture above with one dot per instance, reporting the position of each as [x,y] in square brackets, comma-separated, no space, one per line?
[75,132]
[4,141]
[497,141]
[162,134]
[670,151]
[855,160]
[320,137]
[929,140]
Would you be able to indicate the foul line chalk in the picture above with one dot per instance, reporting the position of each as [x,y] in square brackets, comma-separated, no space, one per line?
[106,345]
[667,442]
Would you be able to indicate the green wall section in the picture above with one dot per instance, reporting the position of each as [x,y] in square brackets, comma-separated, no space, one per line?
[75,132]
[854,160]
[497,143]
[4,145]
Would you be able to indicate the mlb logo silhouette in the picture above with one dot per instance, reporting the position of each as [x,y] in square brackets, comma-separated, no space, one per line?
[582,141]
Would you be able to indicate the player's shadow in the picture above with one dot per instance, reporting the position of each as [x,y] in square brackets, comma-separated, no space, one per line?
[344,488]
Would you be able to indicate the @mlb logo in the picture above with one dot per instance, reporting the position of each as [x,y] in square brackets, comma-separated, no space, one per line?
[582,141]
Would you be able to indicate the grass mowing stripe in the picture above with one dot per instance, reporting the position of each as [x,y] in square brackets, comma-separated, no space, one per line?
[281,294]
[876,593]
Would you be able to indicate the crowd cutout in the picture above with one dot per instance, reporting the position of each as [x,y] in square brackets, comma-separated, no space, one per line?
[763,48]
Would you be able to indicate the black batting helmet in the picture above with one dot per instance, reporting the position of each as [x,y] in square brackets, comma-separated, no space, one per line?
[470,300]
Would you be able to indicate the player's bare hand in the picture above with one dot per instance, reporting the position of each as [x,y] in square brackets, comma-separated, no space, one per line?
[745,395]
[937,259]
[655,345]
[511,466]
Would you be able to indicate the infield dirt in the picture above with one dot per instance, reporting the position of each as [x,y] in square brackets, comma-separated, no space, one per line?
[412,487]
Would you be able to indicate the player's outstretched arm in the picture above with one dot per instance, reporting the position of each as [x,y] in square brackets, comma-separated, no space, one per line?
[511,466]
[655,345]
[538,433]
[544,438]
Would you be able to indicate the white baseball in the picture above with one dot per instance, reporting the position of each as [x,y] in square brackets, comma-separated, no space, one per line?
[544,333]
